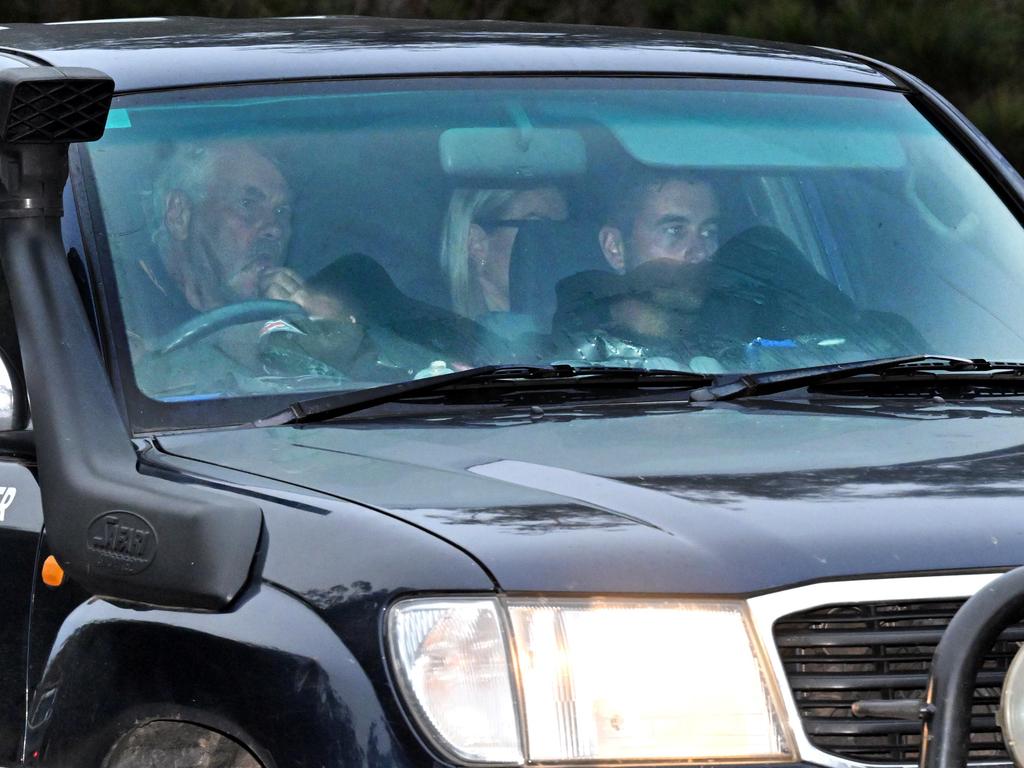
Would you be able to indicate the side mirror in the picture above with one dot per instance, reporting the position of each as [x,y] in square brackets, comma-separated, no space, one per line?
[6,401]
[13,400]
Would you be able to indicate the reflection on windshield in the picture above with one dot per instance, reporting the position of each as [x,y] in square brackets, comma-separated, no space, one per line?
[278,239]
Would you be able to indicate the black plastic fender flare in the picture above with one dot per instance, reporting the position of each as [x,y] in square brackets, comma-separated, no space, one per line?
[269,667]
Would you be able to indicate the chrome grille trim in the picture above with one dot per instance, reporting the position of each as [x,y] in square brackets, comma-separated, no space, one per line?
[766,609]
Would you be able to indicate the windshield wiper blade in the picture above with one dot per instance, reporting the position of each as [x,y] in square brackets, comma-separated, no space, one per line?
[732,386]
[338,404]
[342,403]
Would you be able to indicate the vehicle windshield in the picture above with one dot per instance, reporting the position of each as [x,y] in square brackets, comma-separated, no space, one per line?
[278,240]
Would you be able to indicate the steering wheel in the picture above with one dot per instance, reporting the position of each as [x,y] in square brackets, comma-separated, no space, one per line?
[207,323]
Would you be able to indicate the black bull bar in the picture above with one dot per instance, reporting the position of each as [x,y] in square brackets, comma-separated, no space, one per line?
[946,710]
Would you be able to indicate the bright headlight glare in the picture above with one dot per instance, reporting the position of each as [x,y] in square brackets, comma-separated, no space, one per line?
[597,680]
[643,680]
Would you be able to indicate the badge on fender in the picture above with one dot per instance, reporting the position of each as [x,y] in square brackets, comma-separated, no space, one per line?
[7,494]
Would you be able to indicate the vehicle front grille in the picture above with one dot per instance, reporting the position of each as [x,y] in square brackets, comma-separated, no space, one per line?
[840,654]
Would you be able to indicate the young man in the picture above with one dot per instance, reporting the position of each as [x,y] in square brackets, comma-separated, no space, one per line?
[661,215]
[660,230]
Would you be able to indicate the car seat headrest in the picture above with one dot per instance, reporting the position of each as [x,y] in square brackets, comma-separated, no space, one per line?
[544,253]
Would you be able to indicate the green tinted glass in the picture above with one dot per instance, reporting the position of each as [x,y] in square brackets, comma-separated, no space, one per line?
[275,239]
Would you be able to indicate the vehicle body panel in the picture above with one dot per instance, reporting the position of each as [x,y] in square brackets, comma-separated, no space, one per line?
[800,495]
[190,51]
[286,687]
[301,689]
[734,499]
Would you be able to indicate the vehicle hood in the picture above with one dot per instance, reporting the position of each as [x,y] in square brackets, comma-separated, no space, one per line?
[726,498]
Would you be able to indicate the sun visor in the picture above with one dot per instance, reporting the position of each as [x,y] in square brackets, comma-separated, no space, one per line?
[512,153]
[742,130]
[710,144]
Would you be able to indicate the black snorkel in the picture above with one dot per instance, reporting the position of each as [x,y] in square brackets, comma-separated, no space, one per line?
[118,533]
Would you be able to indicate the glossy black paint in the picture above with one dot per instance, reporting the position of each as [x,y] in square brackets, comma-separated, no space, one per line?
[359,513]
[168,53]
[294,669]
[796,493]
[287,687]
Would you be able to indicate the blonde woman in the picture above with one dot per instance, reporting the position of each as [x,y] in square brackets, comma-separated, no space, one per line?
[476,246]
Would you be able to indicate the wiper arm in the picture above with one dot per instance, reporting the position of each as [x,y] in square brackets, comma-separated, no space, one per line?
[703,388]
[342,403]
[732,386]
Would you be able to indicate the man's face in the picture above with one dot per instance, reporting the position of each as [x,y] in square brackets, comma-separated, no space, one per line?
[242,226]
[676,220]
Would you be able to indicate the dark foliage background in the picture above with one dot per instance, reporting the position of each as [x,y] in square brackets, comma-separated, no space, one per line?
[971,50]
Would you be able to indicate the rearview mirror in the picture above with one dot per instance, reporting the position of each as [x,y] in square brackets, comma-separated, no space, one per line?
[512,153]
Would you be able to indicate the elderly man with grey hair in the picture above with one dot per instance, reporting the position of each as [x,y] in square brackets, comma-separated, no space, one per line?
[223,223]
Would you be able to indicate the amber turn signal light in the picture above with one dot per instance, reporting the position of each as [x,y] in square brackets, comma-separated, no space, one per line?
[53,574]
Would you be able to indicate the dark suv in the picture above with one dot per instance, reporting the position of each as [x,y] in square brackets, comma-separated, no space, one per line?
[403,394]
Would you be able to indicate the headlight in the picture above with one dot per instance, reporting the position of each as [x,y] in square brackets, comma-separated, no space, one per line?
[452,663]
[558,681]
